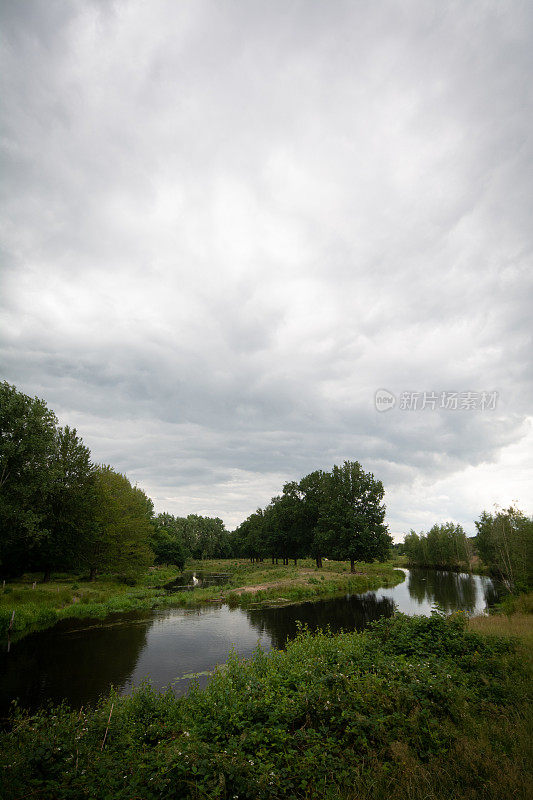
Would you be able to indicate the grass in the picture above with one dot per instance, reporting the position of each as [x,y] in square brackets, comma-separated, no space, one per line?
[514,618]
[69,596]
[412,708]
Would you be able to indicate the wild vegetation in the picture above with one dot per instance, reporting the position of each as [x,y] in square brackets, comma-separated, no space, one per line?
[413,707]
[505,542]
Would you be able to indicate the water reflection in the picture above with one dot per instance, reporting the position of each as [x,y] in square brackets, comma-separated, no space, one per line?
[424,589]
[195,580]
[71,660]
[449,590]
[78,660]
[344,613]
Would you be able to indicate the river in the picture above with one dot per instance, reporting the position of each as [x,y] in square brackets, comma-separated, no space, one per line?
[78,660]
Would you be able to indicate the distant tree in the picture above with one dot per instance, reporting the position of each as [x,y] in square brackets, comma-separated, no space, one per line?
[206,537]
[413,548]
[283,530]
[168,541]
[250,539]
[445,545]
[120,539]
[313,490]
[338,513]
[484,541]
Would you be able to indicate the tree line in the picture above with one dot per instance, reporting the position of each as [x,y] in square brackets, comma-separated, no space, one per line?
[504,543]
[338,514]
[61,512]
[445,545]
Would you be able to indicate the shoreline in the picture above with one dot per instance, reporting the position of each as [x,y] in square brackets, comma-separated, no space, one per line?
[293,585]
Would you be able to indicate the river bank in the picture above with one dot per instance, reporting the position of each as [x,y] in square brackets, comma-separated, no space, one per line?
[414,706]
[28,605]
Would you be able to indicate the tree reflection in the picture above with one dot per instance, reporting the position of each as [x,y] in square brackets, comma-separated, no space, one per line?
[70,663]
[344,613]
[450,590]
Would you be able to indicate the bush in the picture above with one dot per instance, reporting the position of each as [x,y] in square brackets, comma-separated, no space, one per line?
[398,711]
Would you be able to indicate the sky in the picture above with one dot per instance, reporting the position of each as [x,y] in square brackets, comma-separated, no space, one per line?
[226,225]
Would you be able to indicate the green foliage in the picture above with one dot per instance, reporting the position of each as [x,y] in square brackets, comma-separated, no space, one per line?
[445,546]
[205,537]
[411,708]
[168,541]
[338,514]
[351,516]
[505,543]
[71,504]
[122,527]
[27,451]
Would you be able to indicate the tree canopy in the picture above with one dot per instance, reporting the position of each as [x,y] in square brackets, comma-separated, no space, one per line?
[445,545]
[58,511]
[505,542]
[28,445]
[338,514]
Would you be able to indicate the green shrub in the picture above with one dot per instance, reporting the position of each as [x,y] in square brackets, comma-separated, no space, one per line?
[413,707]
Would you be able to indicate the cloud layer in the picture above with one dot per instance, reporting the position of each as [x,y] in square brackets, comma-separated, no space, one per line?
[225,226]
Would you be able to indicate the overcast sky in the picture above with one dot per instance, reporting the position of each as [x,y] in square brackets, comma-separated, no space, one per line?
[226,225]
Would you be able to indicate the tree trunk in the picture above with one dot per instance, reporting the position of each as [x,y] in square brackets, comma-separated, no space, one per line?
[295,562]
[46,576]
[352,565]
[92,574]
[318,560]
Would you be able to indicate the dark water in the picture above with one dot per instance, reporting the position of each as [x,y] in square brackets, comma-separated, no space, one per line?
[77,661]
[195,580]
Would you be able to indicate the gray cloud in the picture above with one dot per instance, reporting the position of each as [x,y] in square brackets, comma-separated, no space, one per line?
[225,226]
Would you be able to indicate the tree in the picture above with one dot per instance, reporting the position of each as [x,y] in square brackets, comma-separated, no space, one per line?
[313,490]
[506,539]
[70,505]
[206,537]
[168,541]
[485,544]
[445,545]
[27,450]
[351,516]
[120,538]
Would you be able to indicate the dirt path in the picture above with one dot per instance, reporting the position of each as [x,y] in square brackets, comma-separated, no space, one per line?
[260,586]
[299,581]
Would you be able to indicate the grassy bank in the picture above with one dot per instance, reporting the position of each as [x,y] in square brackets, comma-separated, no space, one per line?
[514,617]
[412,708]
[68,596]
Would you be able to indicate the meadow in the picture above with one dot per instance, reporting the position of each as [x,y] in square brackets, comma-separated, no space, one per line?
[37,605]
